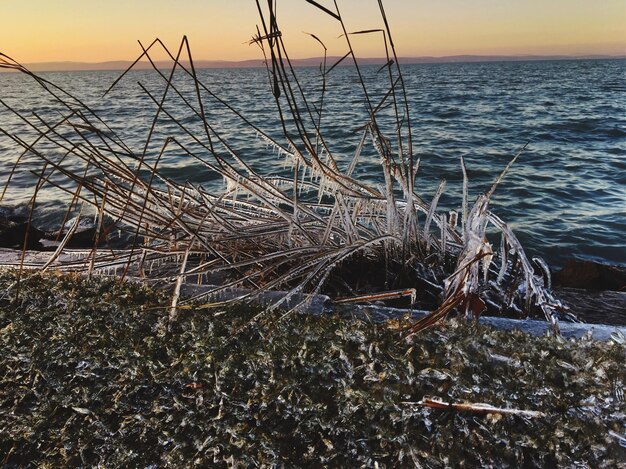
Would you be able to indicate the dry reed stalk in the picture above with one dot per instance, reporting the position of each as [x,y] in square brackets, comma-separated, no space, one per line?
[267,232]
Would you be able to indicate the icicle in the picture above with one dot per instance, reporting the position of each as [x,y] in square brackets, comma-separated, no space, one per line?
[320,192]
[546,271]
[301,185]
[503,255]
[444,235]
[357,153]
[453,219]
[464,203]
[486,261]
[431,210]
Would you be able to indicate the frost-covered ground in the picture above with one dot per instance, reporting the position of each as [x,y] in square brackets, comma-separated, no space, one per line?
[87,377]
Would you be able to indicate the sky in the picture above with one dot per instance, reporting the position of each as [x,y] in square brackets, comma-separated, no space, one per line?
[97,31]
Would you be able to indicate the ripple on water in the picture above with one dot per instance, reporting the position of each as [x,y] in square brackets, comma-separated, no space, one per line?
[564,196]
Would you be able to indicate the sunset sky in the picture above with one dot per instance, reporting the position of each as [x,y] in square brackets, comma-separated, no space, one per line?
[95,31]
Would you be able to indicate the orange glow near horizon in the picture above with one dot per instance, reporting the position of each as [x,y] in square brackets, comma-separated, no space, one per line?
[87,31]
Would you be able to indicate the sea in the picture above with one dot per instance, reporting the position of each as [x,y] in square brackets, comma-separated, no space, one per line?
[565,196]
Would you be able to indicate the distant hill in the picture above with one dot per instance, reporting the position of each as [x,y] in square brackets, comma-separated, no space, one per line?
[309,62]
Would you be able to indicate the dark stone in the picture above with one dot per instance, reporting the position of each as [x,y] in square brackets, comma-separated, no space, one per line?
[590,275]
[85,235]
[14,225]
[18,214]
[13,228]
[597,307]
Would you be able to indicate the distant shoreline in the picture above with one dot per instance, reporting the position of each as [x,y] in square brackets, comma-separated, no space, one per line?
[308,62]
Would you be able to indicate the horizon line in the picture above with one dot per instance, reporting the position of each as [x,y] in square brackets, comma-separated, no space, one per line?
[112,65]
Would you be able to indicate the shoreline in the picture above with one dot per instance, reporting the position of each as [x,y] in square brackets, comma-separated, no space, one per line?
[583,303]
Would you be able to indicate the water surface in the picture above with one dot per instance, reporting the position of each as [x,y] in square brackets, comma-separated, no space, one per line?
[565,196]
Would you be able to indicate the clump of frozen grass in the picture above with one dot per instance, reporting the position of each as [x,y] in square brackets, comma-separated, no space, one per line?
[295,232]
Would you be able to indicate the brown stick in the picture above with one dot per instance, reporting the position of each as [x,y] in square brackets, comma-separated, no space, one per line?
[388,295]
[436,403]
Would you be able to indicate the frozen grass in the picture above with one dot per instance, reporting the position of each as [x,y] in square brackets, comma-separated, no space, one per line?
[86,379]
[300,231]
